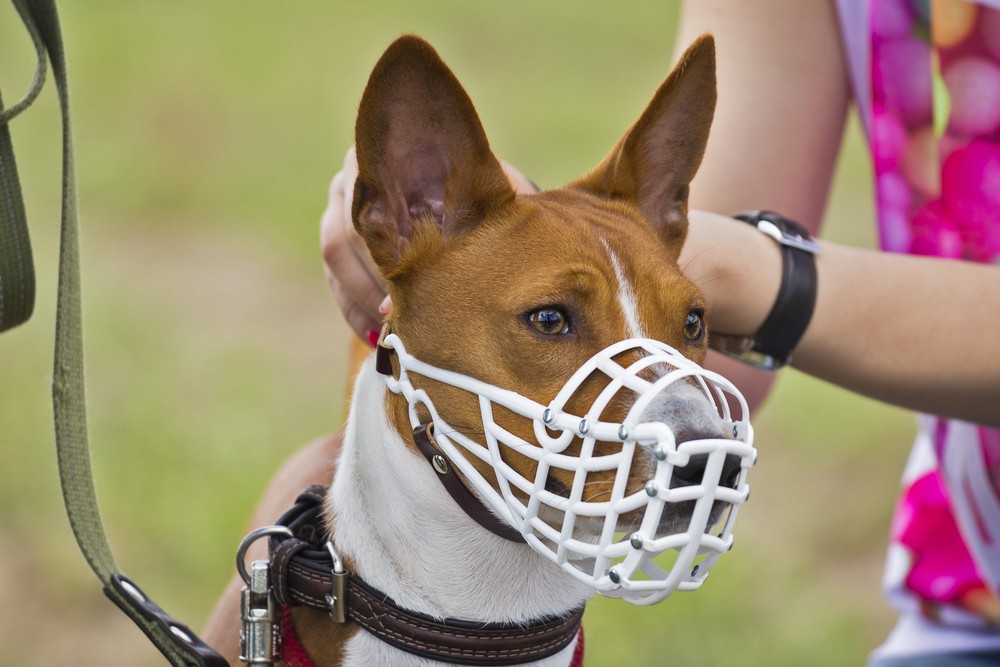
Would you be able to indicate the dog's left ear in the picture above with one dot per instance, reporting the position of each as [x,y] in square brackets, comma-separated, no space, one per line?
[654,163]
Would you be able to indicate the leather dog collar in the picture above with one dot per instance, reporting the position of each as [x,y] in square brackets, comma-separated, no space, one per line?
[302,574]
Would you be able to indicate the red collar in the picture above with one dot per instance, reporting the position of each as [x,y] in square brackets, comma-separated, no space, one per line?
[293,653]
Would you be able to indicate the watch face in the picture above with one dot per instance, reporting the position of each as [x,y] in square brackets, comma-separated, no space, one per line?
[781,229]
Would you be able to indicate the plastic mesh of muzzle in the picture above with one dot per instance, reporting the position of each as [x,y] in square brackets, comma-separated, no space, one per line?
[584,537]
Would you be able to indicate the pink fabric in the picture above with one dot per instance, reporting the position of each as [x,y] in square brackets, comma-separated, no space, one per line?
[934,128]
[293,653]
[942,568]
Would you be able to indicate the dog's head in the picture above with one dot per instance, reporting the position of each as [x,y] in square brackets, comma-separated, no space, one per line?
[520,291]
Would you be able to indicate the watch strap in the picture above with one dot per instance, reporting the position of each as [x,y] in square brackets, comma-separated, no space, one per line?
[772,345]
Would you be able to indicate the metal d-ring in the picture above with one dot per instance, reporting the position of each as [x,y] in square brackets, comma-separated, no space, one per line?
[252,537]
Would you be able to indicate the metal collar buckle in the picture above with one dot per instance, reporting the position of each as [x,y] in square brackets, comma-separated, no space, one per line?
[259,633]
[336,599]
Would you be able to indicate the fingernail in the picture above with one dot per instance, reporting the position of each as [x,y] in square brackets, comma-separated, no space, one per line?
[385,307]
[373,337]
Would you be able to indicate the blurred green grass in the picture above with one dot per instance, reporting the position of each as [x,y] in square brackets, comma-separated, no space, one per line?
[206,134]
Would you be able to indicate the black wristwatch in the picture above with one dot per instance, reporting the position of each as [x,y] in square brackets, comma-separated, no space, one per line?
[772,346]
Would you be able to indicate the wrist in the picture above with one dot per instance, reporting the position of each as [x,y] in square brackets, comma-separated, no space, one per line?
[737,268]
[772,345]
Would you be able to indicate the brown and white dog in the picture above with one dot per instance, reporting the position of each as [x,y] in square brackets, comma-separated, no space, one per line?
[517,291]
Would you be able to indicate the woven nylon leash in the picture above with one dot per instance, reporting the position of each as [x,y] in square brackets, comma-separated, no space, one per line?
[177,642]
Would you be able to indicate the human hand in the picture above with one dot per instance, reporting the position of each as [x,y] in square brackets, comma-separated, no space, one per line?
[350,271]
[353,278]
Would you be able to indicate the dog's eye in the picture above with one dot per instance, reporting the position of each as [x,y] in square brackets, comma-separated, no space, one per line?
[694,326]
[549,321]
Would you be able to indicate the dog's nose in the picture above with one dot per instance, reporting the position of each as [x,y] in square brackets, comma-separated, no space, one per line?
[694,472]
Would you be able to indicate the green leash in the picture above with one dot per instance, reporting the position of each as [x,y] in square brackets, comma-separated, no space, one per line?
[17,289]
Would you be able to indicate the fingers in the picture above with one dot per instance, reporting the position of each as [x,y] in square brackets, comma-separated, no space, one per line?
[350,272]
[522,184]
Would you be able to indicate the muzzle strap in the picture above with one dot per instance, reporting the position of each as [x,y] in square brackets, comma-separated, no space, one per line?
[383,360]
[423,436]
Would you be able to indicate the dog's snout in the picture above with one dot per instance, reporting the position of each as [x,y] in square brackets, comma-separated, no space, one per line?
[731,471]
[694,472]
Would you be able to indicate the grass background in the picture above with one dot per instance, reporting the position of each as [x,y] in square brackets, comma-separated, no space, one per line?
[206,134]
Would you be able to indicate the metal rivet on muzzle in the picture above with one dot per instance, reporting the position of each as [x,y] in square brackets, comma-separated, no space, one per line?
[548,416]
[636,541]
[694,570]
[439,464]
[652,489]
[660,453]
[583,427]
[622,432]
[614,576]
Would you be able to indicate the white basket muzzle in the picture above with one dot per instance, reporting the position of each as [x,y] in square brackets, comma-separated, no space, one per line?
[654,496]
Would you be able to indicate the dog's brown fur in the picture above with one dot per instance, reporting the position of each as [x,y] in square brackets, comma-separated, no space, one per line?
[466,258]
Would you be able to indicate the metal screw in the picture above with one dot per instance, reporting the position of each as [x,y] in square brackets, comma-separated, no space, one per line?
[583,427]
[736,430]
[548,416]
[652,489]
[636,541]
[615,576]
[439,464]
[660,453]
[622,432]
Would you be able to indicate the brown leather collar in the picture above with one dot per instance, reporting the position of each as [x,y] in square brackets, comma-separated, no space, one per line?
[301,574]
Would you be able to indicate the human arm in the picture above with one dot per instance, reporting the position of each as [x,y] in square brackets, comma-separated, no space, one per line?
[917,332]
[782,102]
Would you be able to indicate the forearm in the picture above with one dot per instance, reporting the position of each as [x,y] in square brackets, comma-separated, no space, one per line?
[913,331]
[778,121]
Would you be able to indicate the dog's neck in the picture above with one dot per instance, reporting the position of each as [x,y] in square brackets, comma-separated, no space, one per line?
[409,539]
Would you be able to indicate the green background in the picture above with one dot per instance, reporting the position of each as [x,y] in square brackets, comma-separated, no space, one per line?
[206,135]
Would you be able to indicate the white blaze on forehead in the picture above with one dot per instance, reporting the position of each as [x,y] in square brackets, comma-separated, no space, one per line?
[626,296]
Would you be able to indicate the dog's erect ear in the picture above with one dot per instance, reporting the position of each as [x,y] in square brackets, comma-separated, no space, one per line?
[656,160]
[423,158]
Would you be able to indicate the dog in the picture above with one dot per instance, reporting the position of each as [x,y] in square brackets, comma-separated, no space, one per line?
[518,292]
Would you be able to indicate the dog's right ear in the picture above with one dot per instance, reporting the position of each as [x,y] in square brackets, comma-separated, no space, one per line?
[424,163]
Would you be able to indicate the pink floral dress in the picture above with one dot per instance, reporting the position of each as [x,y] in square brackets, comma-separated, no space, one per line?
[927,84]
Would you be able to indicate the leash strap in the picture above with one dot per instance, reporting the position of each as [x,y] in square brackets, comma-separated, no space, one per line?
[175,641]
[17,273]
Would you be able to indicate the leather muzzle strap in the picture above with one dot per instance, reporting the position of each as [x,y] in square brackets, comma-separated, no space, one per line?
[302,575]
[423,437]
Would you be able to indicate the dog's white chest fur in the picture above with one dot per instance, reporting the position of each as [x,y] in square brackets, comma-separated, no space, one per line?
[409,539]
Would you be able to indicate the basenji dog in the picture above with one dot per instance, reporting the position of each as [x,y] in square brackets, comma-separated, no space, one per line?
[500,299]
